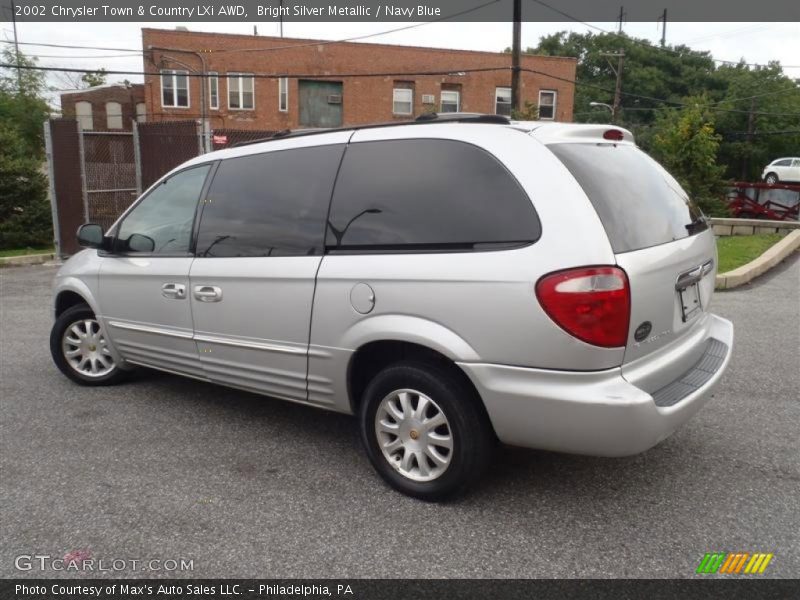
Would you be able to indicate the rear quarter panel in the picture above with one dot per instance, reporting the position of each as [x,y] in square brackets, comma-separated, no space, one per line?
[475,307]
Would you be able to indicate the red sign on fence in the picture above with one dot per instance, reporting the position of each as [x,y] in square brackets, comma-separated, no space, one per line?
[219,140]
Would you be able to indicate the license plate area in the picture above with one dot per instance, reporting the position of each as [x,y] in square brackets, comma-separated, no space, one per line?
[691,306]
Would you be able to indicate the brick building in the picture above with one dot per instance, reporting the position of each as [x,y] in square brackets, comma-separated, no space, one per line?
[105,107]
[232,98]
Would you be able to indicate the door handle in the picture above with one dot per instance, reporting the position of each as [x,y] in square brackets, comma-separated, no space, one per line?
[207,293]
[175,291]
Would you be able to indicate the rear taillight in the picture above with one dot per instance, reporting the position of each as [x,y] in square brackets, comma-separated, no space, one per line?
[591,303]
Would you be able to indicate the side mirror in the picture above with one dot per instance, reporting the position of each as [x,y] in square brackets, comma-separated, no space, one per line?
[90,235]
[141,243]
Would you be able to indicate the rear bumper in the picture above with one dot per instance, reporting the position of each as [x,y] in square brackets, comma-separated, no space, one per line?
[603,413]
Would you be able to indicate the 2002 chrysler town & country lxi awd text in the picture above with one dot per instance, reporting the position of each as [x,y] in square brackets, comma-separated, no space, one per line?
[452,282]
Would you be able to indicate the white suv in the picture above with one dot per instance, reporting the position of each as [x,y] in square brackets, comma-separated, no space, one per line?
[782,169]
[451,282]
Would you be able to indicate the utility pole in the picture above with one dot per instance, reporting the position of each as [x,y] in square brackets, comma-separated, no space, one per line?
[516,100]
[621,18]
[751,129]
[620,55]
[280,17]
[16,47]
[663,28]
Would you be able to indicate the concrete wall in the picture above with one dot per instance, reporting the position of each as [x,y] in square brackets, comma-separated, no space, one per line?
[724,227]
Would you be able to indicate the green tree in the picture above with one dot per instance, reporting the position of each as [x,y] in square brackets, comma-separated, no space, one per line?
[94,79]
[685,142]
[775,122]
[648,71]
[652,75]
[529,113]
[25,218]
[24,105]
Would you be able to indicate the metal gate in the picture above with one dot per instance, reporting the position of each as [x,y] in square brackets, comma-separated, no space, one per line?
[320,103]
[108,173]
[96,175]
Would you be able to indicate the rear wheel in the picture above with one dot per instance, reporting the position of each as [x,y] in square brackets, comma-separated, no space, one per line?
[424,430]
[80,349]
[771,178]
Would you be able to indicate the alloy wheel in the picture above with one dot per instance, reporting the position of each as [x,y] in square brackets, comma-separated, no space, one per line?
[85,349]
[414,435]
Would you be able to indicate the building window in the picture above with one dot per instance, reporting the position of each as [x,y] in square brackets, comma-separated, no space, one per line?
[502,101]
[213,90]
[83,112]
[240,91]
[451,101]
[403,101]
[547,104]
[113,115]
[283,94]
[175,88]
[141,112]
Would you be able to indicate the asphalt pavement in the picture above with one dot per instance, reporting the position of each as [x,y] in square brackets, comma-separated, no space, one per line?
[169,468]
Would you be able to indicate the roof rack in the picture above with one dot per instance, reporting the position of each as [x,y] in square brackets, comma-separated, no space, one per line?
[425,119]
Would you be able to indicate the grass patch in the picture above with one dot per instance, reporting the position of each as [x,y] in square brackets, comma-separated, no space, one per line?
[737,250]
[24,251]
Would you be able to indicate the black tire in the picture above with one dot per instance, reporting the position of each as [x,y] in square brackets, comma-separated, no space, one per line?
[473,439]
[771,178]
[68,318]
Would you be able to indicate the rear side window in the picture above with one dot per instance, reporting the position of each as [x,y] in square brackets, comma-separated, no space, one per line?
[271,204]
[407,195]
[639,203]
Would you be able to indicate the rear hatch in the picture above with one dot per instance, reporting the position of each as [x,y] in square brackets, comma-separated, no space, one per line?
[659,237]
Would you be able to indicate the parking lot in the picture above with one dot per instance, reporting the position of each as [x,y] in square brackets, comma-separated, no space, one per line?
[245,486]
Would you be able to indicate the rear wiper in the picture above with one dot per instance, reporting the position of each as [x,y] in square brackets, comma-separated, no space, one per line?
[699,224]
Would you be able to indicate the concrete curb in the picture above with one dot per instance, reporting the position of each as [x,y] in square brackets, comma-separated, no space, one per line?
[762,264]
[25,260]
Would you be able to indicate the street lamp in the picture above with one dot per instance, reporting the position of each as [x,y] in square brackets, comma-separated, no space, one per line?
[596,104]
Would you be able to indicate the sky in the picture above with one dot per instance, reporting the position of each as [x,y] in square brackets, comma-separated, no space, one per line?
[754,42]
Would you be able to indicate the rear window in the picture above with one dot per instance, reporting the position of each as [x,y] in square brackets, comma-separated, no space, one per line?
[639,203]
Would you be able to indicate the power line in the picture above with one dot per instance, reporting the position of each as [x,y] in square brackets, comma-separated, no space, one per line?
[359,37]
[450,72]
[83,56]
[285,47]
[651,98]
[73,46]
[649,45]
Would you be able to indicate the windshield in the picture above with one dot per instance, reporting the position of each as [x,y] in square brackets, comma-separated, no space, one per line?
[639,203]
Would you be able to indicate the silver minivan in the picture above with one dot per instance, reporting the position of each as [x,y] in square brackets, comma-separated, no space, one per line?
[452,282]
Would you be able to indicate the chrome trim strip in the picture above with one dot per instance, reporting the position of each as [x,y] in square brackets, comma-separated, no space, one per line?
[150,329]
[210,339]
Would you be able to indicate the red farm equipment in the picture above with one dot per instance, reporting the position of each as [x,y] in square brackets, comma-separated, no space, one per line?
[777,202]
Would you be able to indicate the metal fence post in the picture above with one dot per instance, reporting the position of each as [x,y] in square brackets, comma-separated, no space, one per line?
[137,158]
[84,193]
[51,178]
[200,137]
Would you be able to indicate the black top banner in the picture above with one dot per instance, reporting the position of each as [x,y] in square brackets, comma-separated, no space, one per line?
[398,10]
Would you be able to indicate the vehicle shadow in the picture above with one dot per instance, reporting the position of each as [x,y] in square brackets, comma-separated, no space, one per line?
[515,473]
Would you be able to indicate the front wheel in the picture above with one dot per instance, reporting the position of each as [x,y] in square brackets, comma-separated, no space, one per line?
[80,350]
[771,178]
[424,430]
